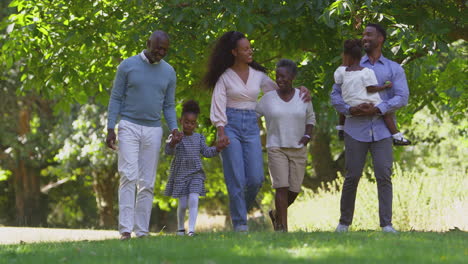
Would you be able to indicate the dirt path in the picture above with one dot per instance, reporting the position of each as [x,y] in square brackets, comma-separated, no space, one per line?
[17,235]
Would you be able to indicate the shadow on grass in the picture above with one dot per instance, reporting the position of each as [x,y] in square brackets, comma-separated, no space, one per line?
[210,248]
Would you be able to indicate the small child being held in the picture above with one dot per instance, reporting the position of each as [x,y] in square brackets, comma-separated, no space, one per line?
[187,178]
[359,85]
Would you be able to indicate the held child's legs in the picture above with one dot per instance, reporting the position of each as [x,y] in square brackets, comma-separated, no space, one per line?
[181,208]
[342,119]
[340,127]
[193,211]
[398,138]
[390,123]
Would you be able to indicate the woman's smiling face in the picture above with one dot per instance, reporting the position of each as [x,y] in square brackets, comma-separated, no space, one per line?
[284,78]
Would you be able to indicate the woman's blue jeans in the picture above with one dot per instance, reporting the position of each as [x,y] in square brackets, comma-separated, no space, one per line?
[242,164]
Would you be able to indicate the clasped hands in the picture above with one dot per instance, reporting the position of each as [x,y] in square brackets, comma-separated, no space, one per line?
[176,137]
[222,142]
[364,109]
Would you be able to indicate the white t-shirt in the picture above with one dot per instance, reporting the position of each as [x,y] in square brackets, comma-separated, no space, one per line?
[353,86]
[285,121]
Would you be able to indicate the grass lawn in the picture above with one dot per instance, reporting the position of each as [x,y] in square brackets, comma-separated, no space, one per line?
[255,247]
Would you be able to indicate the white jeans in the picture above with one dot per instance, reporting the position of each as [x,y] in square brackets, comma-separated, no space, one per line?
[138,160]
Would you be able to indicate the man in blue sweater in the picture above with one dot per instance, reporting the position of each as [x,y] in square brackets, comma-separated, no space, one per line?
[143,87]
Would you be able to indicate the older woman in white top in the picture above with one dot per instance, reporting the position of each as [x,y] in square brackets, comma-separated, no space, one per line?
[289,122]
[237,82]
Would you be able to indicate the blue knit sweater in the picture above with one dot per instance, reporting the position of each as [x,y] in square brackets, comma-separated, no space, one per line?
[141,91]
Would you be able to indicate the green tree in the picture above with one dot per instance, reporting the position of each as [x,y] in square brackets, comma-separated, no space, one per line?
[67,52]
[81,159]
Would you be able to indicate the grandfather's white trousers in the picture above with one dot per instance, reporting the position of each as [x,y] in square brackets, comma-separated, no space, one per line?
[138,160]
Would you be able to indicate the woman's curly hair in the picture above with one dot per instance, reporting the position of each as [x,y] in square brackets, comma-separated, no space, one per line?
[221,58]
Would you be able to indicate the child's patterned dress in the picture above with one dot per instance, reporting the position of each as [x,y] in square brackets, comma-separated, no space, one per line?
[186,174]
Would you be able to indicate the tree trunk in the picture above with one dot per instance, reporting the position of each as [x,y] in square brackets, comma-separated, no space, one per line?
[325,167]
[105,187]
[27,196]
[27,182]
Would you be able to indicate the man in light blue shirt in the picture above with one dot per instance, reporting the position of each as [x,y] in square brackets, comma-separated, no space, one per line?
[143,87]
[366,131]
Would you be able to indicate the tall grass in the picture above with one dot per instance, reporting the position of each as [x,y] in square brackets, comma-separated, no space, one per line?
[429,188]
[421,202]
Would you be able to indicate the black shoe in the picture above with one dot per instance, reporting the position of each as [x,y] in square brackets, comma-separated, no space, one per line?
[125,236]
[401,142]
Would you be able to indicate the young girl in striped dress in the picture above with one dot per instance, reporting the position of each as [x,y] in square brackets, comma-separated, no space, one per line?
[187,178]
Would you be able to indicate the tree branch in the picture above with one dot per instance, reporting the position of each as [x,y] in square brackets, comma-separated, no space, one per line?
[45,189]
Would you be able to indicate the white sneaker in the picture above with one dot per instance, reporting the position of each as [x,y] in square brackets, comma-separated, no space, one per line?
[341,228]
[180,232]
[389,229]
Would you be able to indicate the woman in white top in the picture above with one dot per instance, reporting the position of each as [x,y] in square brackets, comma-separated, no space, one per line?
[237,81]
[289,122]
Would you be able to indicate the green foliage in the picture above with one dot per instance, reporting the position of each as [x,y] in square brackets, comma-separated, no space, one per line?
[441,144]
[63,55]
[4,174]
[69,50]
[300,247]
[87,167]
[438,81]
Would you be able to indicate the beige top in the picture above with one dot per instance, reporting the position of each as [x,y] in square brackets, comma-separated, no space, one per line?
[230,91]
